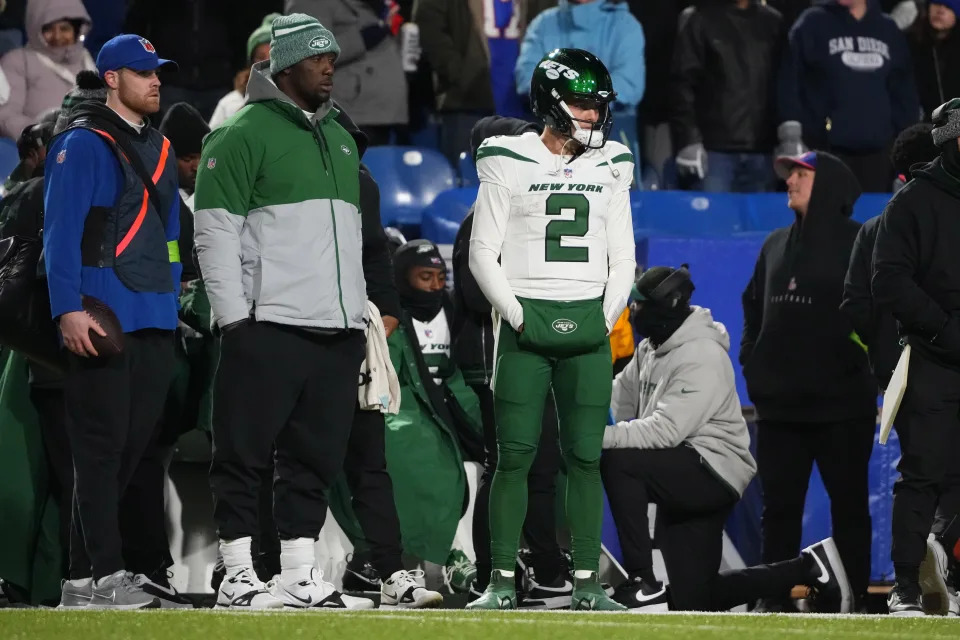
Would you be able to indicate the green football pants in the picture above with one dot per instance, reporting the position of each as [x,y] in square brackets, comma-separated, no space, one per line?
[582,386]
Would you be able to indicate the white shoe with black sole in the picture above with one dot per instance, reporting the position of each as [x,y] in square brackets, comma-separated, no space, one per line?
[641,596]
[169,597]
[244,591]
[403,590]
[935,596]
[314,594]
[829,581]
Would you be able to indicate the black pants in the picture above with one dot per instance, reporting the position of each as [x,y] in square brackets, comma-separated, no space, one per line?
[113,407]
[928,425]
[143,515]
[540,525]
[52,415]
[297,390]
[372,491]
[785,456]
[692,506]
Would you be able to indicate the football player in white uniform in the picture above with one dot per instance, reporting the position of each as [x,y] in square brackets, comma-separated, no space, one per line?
[552,249]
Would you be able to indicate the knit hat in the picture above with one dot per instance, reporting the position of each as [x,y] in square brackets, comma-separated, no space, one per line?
[946,122]
[953,5]
[260,35]
[297,37]
[185,128]
[89,88]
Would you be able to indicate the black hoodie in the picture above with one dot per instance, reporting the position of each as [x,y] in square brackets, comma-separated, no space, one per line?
[799,358]
[473,335]
[916,268]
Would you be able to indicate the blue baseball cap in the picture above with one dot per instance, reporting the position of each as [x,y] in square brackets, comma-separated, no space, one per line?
[130,51]
[783,164]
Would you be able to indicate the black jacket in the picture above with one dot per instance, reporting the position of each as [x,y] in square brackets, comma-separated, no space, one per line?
[457,53]
[377,265]
[878,330]
[799,359]
[473,332]
[916,273]
[935,65]
[723,77]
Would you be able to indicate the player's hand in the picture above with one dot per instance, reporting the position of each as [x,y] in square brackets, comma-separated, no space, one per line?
[75,327]
[390,324]
[520,330]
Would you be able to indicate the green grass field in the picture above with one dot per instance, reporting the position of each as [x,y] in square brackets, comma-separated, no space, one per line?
[24,624]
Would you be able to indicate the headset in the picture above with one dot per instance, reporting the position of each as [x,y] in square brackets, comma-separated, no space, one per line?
[674,289]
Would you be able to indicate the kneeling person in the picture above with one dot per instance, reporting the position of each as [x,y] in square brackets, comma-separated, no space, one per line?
[680,441]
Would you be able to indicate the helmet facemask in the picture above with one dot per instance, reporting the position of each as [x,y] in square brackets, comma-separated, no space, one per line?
[592,135]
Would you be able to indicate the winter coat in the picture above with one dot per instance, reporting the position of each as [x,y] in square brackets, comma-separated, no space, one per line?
[606,28]
[800,358]
[683,393]
[935,64]
[424,454]
[848,82]
[370,84]
[272,188]
[451,34]
[40,75]
[724,76]
[877,329]
[916,274]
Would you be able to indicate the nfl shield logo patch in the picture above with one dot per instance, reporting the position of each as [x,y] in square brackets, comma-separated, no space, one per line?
[61,156]
[567,172]
[149,48]
[211,163]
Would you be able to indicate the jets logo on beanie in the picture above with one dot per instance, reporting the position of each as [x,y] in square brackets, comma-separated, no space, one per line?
[297,37]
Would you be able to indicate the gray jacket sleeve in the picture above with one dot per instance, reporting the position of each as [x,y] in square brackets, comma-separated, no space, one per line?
[688,397]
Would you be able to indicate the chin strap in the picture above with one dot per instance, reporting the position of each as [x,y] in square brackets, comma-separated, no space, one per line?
[583,136]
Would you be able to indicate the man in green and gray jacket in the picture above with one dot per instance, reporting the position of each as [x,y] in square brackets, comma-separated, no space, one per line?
[278,235]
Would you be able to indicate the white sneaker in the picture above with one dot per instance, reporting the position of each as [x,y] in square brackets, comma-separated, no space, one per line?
[314,593]
[404,591]
[161,589]
[244,590]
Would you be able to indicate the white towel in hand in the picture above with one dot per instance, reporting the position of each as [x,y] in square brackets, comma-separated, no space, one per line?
[379,386]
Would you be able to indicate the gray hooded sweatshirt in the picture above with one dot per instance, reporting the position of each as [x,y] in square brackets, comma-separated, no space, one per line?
[683,393]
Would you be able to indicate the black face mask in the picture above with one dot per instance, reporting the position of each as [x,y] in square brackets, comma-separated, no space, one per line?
[656,322]
[422,305]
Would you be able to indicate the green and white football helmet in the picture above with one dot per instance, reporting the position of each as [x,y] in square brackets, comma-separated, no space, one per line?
[573,76]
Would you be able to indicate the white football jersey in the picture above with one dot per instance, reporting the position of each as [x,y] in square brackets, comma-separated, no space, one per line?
[559,228]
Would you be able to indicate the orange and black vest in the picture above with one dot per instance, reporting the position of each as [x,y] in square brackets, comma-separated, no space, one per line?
[131,236]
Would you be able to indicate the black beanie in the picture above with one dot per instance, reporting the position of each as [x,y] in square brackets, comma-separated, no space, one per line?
[185,128]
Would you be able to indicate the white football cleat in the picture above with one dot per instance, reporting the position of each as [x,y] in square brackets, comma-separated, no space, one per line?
[314,594]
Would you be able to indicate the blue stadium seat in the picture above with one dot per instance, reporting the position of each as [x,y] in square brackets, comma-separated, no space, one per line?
[409,179]
[688,213]
[9,157]
[441,220]
[467,170]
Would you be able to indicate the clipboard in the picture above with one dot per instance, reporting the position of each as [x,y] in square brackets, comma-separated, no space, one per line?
[894,394]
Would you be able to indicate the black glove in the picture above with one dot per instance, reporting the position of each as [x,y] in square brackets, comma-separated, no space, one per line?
[374,34]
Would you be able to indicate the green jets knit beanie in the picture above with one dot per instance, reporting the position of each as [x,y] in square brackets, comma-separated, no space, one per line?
[297,37]
[261,35]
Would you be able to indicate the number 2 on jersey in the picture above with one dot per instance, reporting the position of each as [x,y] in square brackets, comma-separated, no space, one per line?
[557,229]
